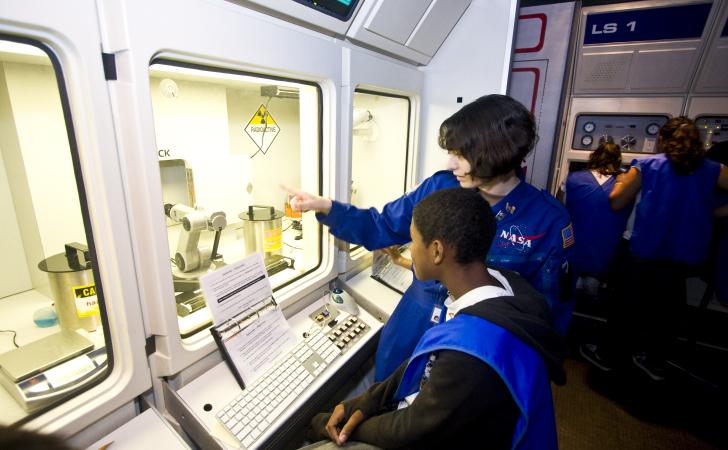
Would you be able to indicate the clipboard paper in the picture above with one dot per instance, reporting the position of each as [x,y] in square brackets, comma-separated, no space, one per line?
[253,340]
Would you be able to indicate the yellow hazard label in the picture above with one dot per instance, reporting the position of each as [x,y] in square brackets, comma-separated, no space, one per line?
[87,303]
[262,129]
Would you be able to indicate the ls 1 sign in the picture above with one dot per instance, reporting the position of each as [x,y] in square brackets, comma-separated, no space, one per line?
[654,24]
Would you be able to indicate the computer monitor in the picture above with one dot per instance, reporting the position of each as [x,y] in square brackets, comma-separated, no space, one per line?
[340,9]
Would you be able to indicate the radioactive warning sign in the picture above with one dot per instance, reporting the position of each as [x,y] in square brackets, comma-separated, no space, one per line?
[262,129]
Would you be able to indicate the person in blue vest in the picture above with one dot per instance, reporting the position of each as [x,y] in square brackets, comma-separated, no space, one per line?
[486,141]
[482,376]
[719,248]
[670,240]
[597,227]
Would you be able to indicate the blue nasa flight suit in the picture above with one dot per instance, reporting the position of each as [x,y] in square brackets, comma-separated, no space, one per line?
[673,220]
[597,227]
[523,371]
[533,237]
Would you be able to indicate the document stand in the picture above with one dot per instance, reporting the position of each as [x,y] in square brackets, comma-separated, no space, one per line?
[389,274]
[228,329]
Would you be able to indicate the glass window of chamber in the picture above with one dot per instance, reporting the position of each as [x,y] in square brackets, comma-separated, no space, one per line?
[226,142]
[52,339]
[380,143]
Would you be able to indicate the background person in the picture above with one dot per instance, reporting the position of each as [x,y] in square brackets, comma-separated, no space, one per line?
[597,227]
[718,265]
[480,377]
[670,238]
[486,141]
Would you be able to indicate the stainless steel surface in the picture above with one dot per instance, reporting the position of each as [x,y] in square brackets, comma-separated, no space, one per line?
[42,354]
[68,275]
[263,230]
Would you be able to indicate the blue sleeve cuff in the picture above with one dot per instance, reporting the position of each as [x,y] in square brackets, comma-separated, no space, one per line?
[335,215]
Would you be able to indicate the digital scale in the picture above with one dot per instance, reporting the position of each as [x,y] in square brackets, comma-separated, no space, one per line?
[45,370]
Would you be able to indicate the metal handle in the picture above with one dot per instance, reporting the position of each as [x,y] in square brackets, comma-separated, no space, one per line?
[271,209]
[72,250]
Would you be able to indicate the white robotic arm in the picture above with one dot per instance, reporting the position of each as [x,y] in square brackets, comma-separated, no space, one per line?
[189,256]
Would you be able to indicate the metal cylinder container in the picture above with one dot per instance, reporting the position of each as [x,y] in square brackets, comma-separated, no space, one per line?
[73,288]
[263,230]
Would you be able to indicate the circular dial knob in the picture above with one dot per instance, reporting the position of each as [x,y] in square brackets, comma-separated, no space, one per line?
[628,142]
[587,140]
[652,129]
[589,127]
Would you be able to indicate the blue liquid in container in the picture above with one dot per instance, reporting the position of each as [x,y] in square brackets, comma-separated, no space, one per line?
[45,317]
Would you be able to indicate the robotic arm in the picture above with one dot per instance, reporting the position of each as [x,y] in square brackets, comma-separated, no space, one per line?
[189,256]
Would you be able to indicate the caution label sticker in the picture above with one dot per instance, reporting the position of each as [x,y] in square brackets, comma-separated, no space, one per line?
[262,129]
[87,303]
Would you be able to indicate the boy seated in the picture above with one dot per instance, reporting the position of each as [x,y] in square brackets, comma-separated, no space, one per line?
[481,375]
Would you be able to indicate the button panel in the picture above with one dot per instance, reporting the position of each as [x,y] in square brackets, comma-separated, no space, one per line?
[633,133]
[712,129]
[348,332]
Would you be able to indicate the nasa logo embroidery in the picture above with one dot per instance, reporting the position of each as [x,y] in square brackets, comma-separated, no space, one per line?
[514,237]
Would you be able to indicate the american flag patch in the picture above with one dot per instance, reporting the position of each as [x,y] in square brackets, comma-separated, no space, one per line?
[567,236]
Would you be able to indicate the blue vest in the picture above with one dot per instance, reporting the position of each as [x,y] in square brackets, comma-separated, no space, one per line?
[520,367]
[597,227]
[673,220]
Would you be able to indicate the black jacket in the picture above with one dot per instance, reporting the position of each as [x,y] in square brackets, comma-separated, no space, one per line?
[464,401]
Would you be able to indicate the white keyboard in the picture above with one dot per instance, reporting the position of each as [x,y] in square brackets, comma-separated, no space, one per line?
[252,412]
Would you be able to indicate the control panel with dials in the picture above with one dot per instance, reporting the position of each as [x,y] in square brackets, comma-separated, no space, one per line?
[712,129]
[634,133]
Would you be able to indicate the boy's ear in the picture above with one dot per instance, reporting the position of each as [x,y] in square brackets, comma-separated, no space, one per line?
[437,249]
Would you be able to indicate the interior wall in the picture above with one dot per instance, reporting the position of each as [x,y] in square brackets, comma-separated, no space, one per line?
[379,151]
[39,167]
[282,160]
[14,265]
[204,125]
[473,61]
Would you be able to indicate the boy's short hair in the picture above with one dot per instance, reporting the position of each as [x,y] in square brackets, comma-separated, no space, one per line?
[460,218]
[494,134]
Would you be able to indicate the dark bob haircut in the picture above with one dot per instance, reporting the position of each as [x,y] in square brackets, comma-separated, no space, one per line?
[494,134]
[460,218]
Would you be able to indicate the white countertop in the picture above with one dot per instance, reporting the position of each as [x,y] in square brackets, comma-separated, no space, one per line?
[147,431]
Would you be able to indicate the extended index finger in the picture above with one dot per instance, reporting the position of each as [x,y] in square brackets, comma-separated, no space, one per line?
[290,190]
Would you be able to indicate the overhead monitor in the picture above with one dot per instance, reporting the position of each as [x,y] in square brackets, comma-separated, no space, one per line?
[340,9]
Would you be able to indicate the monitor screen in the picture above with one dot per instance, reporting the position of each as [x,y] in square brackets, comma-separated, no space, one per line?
[341,9]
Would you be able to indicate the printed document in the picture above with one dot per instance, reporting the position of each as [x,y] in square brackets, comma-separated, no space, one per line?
[391,275]
[256,347]
[234,289]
